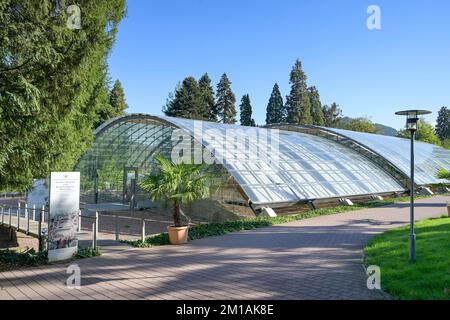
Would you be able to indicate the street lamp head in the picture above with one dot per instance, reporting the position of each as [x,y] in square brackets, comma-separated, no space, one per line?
[412,117]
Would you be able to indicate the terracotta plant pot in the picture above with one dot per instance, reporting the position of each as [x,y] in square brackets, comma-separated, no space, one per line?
[178,235]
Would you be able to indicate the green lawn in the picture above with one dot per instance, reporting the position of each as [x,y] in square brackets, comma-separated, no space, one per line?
[429,276]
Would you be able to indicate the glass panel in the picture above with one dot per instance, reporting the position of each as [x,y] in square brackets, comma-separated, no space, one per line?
[308,167]
[428,158]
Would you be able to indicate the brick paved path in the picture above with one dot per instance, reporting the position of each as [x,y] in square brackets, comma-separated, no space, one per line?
[318,258]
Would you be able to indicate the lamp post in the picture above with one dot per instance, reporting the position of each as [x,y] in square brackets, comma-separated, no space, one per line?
[412,118]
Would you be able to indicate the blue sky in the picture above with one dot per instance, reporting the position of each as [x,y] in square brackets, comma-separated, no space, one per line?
[367,72]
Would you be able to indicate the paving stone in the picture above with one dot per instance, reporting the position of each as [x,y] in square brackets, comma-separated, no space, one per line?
[318,258]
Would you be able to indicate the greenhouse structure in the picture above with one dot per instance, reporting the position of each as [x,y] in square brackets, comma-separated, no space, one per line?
[277,166]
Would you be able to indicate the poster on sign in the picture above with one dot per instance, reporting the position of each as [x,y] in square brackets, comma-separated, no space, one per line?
[63,207]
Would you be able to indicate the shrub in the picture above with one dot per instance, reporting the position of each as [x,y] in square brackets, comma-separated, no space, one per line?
[87,253]
[204,230]
[28,258]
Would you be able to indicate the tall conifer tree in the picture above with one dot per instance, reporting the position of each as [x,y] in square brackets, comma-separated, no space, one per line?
[443,124]
[316,106]
[117,99]
[297,102]
[208,108]
[225,101]
[187,101]
[246,111]
[275,112]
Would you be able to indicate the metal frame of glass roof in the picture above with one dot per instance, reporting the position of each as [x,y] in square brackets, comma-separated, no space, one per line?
[391,153]
[311,166]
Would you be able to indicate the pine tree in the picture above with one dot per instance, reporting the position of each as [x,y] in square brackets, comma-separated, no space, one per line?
[117,99]
[316,106]
[297,102]
[443,124]
[275,112]
[225,101]
[246,111]
[187,101]
[332,115]
[208,108]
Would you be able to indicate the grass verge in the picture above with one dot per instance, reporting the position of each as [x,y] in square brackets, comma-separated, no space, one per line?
[13,259]
[215,229]
[429,276]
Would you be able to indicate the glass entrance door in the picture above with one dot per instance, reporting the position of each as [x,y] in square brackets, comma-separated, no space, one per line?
[130,179]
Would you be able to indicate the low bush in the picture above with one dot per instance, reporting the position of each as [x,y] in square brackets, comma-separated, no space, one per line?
[87,253]
[204,230]
[11,258]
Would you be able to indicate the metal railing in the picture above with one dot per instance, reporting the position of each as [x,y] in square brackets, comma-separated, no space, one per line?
[31,223]
[35,222]
[12,195]
[94,226]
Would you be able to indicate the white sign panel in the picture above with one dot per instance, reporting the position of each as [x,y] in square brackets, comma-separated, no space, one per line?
[64,206]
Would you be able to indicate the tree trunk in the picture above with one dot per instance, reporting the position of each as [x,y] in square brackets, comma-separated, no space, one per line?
[176,214]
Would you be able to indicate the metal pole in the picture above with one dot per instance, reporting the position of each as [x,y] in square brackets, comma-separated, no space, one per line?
[96,189]
[412,236]
[27,216]
[93,235]
[34,212]
[10,225]
[42,217]
[95,230]
[143,229]
[3,215]
[41,221]
[18,216]
[79,221]
[96,223]
[117,227]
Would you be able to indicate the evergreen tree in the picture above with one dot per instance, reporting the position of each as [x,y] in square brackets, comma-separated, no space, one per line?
[116,104]
[332,115]
[53,84]
[275,112]
[187,101]
[297,102]
[208,108]
[443,124]
[225,101]
[167,109]
[246,111]
[316,106]
[117,99]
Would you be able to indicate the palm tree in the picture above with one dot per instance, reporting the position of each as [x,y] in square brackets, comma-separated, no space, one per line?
[177,184]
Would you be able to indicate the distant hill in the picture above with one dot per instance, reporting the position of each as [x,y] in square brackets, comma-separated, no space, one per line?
[382,129]
[386,130]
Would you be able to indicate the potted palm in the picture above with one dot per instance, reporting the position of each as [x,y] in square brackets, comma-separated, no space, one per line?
[177,184]
[443,174]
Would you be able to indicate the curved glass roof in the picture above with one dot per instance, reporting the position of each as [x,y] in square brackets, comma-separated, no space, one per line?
[428,157]
[301,167]
[307,166]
